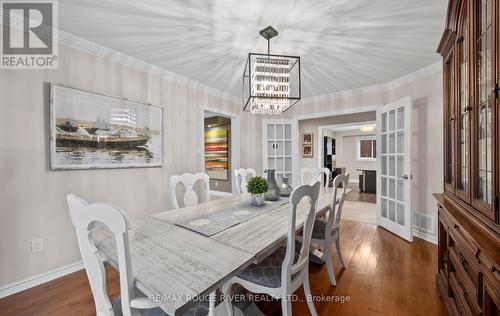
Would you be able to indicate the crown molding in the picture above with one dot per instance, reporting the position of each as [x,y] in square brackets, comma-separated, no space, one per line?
[95,49]
[89,47]
[406,79]
[98,50]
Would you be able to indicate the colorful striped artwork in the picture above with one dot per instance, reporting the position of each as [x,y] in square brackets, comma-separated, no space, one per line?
[216,153]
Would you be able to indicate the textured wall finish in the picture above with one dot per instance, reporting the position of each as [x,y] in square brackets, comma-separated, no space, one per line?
[33,197]
[343,44]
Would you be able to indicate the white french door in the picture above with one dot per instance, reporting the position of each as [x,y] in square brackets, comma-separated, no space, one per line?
[394,132]
[278,147]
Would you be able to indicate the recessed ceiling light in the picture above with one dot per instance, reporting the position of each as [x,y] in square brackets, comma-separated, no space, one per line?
[367,128]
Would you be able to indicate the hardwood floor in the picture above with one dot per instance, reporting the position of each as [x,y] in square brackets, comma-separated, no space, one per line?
[356,196]
[384,275]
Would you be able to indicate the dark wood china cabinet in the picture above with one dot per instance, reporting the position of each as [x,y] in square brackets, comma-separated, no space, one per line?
[468,210]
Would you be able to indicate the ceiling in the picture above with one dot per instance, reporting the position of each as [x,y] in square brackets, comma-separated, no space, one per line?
[343,44]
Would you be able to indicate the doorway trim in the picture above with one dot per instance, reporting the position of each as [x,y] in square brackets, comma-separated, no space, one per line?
[235,144]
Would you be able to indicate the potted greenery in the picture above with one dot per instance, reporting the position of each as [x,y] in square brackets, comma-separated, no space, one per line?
[257,186]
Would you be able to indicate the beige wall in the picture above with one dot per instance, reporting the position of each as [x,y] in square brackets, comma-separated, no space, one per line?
[346,154]
[33,197]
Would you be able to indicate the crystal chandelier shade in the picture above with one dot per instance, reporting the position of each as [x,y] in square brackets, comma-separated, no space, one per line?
[270,78]
[271,83]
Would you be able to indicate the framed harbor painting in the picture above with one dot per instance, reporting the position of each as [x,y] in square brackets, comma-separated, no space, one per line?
[216,153]
[95,131]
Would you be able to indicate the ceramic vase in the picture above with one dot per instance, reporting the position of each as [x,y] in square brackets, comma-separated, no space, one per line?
[286,189]
[273,192]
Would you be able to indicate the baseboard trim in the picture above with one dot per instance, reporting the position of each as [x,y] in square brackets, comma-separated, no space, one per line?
[427,236]
[28,283]
[220,193]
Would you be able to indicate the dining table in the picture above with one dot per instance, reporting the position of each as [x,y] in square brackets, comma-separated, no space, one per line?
[176,266]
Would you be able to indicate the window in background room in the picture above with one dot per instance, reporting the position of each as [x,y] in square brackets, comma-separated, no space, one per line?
[366,148]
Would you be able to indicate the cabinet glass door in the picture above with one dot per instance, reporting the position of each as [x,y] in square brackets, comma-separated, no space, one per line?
[463,112]
[450,124]
[483,133]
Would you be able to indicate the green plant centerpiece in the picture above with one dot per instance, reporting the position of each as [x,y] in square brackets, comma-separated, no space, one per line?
[257,186]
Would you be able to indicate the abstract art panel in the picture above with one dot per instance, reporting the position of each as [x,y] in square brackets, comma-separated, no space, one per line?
[216,153]
[90,131]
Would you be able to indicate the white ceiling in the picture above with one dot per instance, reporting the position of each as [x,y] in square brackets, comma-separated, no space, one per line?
[344,44]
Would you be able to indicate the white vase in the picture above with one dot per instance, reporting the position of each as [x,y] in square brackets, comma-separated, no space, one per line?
[258,200]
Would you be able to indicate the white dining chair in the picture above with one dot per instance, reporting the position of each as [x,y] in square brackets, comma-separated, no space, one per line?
[188,181]
[327,173]
[241,176]
[311,175]
[325,233]
[85,217]
[284,271]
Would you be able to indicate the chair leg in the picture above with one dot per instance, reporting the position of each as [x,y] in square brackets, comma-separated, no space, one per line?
[211,304]
[226,288]
[286,305]
[309,298]
[329,265]
[339,253]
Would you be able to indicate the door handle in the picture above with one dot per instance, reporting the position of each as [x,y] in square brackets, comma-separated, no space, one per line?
[405,177]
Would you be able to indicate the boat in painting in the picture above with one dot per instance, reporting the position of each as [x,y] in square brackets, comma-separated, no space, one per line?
[69,135]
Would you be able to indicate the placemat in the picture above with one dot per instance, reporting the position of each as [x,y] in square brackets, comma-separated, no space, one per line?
[213,223]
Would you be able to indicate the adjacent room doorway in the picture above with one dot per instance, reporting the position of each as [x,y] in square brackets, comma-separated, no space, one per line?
[351,147]
[219,154]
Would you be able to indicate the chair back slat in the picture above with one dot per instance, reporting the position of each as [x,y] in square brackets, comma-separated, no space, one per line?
[188,181]
[341,180]
[289,267]
[85,218]
[241,176]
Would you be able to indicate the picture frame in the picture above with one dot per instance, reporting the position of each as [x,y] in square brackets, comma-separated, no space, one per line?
[90,130]
[307,145]
[307,138]
[307,151]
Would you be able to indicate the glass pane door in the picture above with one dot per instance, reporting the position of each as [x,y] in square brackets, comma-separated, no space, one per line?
[450,123]
[394,173]
[271,147]
[484,132]
[464,109]
[483,167]
[278,150]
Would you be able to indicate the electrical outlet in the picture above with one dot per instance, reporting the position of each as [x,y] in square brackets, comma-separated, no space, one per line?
[37,245]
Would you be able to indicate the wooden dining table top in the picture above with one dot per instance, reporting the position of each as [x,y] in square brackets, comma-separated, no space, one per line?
[178,265]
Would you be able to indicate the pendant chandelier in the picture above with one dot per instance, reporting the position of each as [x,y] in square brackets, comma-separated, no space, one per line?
[271,83]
